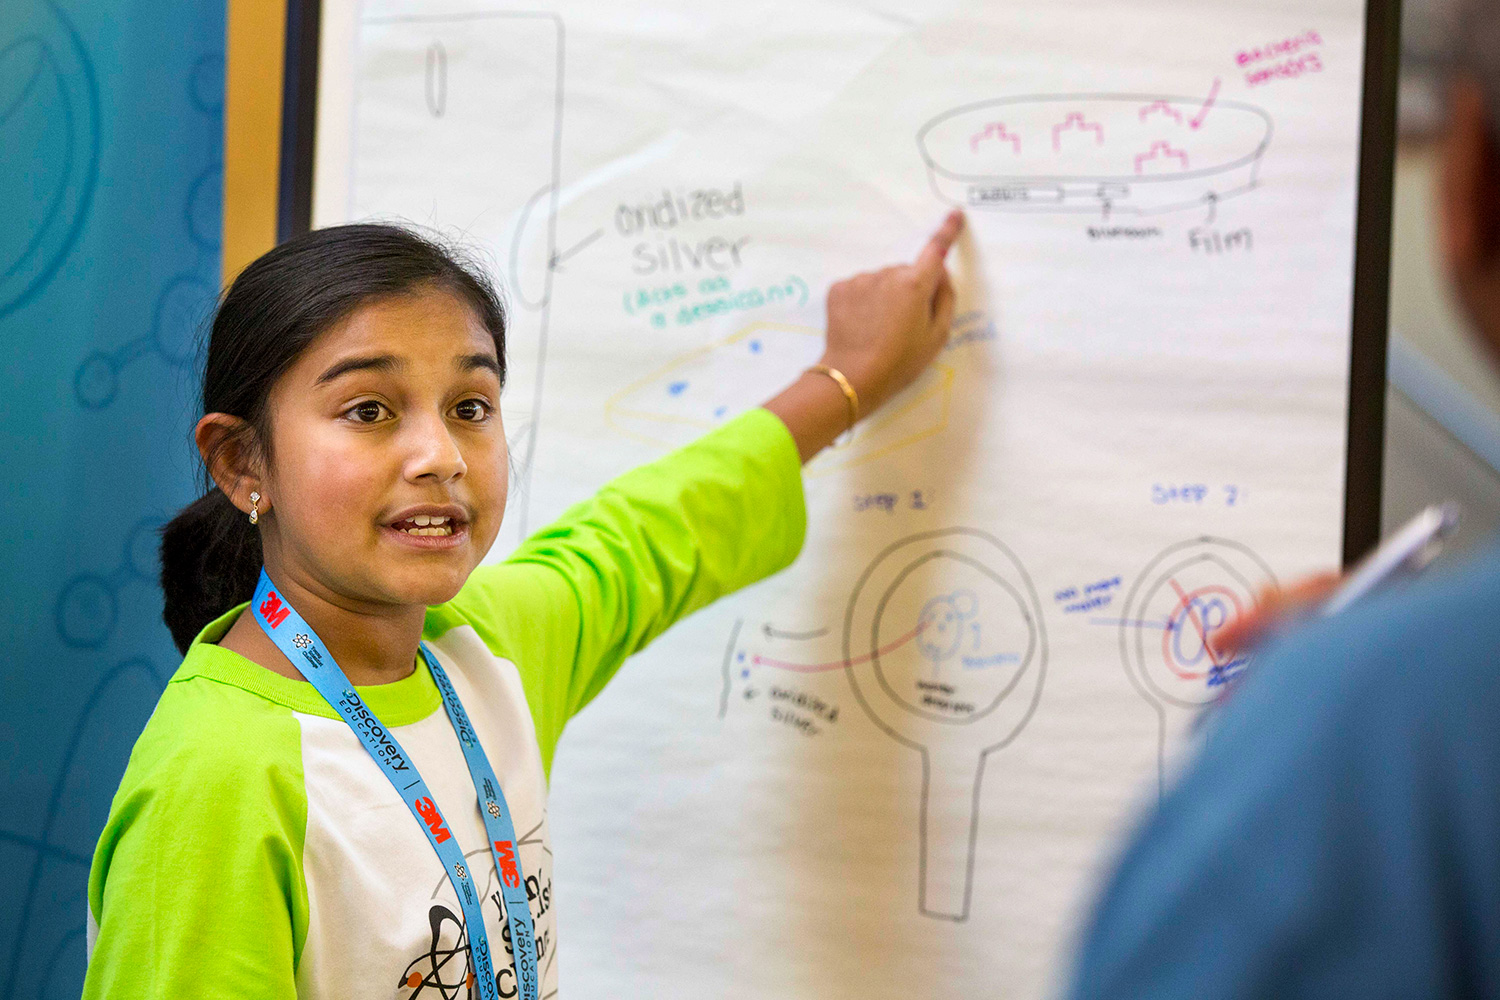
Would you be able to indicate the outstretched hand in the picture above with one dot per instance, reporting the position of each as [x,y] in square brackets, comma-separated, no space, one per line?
[884,328]
[1275,607]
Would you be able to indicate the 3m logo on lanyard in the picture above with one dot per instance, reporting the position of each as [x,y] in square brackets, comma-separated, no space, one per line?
[271,612]
[301,645]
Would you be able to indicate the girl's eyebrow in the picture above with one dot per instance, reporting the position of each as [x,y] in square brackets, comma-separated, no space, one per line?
[391,363]
[469,362]
[369,362]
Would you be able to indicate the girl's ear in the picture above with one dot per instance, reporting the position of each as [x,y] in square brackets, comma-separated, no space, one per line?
[227,445]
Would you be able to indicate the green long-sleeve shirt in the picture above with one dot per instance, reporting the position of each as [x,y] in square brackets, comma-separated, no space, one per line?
[255,850]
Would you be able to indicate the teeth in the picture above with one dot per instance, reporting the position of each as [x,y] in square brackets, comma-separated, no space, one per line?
[428,524]
[435,529]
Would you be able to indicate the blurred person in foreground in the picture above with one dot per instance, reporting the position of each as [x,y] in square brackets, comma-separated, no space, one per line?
[1338,833]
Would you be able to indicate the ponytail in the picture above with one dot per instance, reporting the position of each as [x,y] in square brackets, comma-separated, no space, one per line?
[210,552]
[210,562]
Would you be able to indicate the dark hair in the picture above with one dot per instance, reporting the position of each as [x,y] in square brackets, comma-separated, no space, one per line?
[210,552]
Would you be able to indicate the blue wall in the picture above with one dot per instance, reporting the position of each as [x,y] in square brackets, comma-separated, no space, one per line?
[111,137]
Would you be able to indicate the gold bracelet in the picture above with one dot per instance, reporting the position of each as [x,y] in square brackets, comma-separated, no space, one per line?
[849,393]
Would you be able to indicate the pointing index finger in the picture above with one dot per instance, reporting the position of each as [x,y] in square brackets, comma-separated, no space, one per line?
[930,260]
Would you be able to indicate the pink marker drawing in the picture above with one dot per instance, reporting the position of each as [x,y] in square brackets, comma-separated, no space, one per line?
[1213,94]
[995,130]
[1162,148]
[814,668]
[1161,107]
[1076,120]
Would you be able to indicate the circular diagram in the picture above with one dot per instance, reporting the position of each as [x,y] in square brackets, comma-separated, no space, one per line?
[951,637]
[945,627]
[1174,608]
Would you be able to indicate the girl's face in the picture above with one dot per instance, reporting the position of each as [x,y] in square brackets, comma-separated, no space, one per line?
[388,419]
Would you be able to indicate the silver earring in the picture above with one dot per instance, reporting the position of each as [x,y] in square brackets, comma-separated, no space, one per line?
[254,508]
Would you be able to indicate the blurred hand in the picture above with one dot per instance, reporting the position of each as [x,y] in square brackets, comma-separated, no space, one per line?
[886,326]
[1275,607]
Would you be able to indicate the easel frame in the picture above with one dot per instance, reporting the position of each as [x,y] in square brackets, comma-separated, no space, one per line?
[1365,442]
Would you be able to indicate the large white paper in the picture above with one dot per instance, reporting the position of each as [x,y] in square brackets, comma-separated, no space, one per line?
[898,766]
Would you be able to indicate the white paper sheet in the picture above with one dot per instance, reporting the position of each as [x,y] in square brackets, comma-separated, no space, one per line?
[898,766]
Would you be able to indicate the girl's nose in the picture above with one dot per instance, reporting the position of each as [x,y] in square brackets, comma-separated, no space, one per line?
[434,454]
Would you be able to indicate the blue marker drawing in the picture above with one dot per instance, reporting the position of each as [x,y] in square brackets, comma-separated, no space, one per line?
[940,627]
[978,662]
[949,622]
[1168,621]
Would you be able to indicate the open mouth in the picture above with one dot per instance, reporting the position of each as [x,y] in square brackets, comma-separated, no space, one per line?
[429,526]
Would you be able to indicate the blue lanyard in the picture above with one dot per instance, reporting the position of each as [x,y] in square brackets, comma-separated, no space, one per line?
[294,637]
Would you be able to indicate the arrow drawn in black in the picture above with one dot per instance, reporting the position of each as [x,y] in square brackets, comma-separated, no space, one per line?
[559,256]
[772,633]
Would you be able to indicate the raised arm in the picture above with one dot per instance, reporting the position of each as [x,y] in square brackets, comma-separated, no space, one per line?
[663,540]
[884,328]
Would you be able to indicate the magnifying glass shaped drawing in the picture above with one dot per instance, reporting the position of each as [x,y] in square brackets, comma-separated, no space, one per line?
[946,651]
[1183,596]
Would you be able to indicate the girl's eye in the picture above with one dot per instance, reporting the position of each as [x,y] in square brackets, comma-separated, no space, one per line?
[473,410]
[367,412]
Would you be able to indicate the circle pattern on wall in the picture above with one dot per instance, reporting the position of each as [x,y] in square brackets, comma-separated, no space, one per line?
[49,147]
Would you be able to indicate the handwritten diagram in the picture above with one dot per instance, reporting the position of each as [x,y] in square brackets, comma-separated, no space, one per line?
[695,393]
[946,651]
[1098,153]
[1169,618]
[944,647]
[432,92]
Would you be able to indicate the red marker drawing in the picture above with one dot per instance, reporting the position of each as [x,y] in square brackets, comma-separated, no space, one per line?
[1213,94]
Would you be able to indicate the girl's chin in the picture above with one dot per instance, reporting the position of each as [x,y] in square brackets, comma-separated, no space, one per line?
[427,588]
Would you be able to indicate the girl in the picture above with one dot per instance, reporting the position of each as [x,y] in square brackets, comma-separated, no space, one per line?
[342,792]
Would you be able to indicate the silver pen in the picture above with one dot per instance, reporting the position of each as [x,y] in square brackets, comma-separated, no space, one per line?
[1406,552]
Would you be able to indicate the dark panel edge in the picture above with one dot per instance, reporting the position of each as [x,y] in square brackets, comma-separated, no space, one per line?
[299,118]
[1372,266]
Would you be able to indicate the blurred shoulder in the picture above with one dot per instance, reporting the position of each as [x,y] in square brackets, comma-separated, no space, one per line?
[1419,656]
